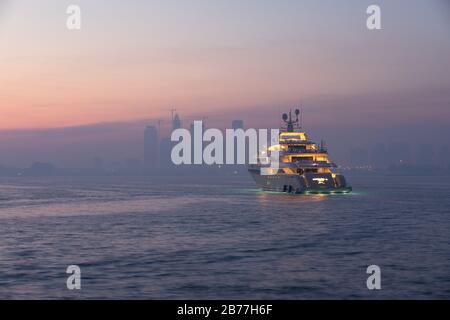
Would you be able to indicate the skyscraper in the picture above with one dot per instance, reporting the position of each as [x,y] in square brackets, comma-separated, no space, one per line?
[237,124]
[399,153]
[379,156]
[424,155]
[176,122]
[444,157]
[151,147]
[358,157]
[166,145]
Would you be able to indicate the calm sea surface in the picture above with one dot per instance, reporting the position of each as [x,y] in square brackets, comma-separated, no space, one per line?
[186,238]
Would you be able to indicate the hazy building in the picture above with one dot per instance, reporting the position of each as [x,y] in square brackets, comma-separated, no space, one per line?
[165,158]
[237,124]
[41,169]
[379,156]
[176,122]
[132,165]
[399,153]
[98,164]
[424,155]
[443,159]
[359,157]
[151,147]
[203,144]
[166,145]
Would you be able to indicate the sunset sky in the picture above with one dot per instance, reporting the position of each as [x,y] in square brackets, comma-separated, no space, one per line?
[137,59]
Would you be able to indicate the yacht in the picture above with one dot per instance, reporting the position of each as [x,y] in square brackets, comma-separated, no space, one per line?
[304,166]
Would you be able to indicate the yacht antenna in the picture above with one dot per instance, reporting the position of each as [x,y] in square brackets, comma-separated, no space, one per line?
[288,120]
[297,113]
[301,117]
[291,123]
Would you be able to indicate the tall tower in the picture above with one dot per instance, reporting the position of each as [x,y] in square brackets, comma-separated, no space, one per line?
[237,124]
[151,147]
[176,122]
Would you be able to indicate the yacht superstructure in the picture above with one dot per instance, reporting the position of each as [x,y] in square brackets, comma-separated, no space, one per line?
[304,166]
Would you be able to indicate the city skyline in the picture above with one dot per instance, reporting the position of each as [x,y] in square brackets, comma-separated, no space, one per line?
[152,153]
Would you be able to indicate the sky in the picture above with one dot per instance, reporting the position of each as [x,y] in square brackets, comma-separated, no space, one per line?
[133,61]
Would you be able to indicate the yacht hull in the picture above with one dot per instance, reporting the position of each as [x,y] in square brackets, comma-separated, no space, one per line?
[312,183]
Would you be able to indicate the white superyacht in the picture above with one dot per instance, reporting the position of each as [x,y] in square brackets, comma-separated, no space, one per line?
[304,167]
